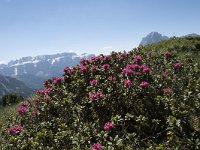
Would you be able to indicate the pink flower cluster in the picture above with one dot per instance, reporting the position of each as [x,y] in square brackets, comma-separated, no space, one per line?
[22,108]
[132,68]
[167,90]
[127,82]
[94,67]
[57,80]
[83,68]
[144,84]
[96,146]
[95,95]
[15,130]
[168,55]
[106,66]
[108,126]
[45,91]
[111,78]
[137,58]
[93,82]
[69,70]
[177,65]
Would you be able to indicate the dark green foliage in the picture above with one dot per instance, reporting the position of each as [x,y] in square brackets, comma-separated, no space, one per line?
[11,99]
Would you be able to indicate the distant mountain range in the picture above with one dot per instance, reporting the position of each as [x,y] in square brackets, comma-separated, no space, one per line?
[34,70]
[155,37]
[12,85]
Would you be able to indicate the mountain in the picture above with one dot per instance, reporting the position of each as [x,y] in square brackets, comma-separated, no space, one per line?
[153,37]
[12,85]
[192,35]
[33,70]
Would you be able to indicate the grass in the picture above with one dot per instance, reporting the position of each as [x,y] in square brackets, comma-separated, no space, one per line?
[6,114]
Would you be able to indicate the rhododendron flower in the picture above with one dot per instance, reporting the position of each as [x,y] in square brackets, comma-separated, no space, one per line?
[168,55]
[83,61]
[137,58]
[111,78]
[93,82]
[83,68]
[164,74]
[106,57]
[57,80]
[95,95]
[21,110]
[167,90]
[69,70]
[145,69]
[127,82]
[15,130]
[96,146]
[127,71]
[24,104]
[106,66]
[94,67]
[45,91]
[177,65]
[144,84]
[108,126]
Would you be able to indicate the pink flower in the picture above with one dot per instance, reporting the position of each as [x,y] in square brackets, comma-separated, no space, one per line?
[93,82]
[127,71]
[96,146]
[95,95]
[94,67]
[167,90]
[168,54]
[83,68]
[21,110]
[137,58]
[69,70]
[106,66]
[45,91]
[177,65]
[127,82]
[144,84]
[14,130]
[145,69]
[111,78]
[83,61]
[24,104]
[165,74]
[57,80]
[108,126]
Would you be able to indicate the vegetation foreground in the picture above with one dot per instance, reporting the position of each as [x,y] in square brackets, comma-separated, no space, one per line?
[147,98]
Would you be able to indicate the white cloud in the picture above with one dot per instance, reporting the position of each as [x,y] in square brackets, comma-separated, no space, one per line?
[107,48]
[2,62]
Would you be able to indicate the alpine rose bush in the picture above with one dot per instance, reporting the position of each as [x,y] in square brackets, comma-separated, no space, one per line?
[127,100]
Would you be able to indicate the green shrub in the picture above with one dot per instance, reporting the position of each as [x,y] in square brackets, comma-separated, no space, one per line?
[133,100]
[11,99]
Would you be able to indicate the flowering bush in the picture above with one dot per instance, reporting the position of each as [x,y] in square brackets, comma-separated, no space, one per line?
[127,100]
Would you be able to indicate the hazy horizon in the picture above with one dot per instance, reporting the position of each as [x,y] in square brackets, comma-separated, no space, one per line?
[35,27]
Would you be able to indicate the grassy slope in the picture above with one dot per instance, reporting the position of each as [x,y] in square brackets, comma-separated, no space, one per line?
[6,114]
[185,45]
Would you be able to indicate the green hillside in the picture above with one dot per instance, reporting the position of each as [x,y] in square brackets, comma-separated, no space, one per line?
[147,98]
[182,46]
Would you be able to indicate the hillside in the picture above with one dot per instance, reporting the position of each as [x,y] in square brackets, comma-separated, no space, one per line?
[12,85]
[147,98]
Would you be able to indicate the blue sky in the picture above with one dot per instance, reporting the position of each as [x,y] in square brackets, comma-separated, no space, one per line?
[35,27]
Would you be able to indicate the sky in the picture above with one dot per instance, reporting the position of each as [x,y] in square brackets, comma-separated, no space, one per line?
[37,27]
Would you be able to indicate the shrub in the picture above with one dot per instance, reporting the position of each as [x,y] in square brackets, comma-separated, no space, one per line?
[11,99]
[126,100]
